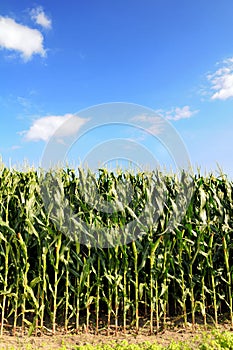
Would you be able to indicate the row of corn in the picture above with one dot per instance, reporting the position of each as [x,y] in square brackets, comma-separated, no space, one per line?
[166,251]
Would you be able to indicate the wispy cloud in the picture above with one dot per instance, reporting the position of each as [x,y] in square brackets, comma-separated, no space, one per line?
[222,81]
[24,102]
[151,123]
[15,147]
[39,16]
[20,38]
[156,123]
[46,127]
[177,113]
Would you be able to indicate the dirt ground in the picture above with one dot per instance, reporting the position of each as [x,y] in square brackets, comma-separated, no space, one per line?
[47,342]
[70,341]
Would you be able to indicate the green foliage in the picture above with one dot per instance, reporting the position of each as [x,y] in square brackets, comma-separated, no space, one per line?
[175,268]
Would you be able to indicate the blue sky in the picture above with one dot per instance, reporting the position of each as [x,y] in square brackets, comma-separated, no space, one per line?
[172,56]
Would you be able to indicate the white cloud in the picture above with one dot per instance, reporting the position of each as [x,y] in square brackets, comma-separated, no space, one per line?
[40,18]
[17,37]
[46,127]
[222,81]
[178,113]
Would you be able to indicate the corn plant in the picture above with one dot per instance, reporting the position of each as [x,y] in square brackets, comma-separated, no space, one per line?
[126,258]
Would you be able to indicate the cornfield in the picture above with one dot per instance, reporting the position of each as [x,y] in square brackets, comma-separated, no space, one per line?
[174,270]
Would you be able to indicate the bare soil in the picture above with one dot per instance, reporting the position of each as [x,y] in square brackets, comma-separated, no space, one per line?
[70,341]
